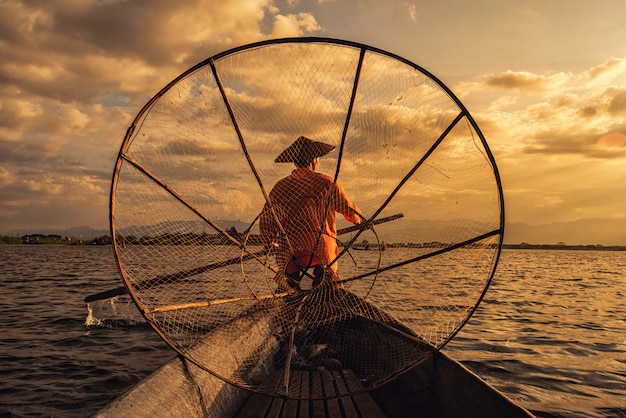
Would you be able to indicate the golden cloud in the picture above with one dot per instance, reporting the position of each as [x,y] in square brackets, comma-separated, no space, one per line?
[617,105]
[611,68]
[612,140]
[525,81]
[293,25]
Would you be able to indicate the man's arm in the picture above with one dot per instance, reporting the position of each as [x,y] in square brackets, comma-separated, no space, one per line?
[268,226]
[344,206]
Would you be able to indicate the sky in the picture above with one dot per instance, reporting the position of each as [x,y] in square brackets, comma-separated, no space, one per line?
[545,80]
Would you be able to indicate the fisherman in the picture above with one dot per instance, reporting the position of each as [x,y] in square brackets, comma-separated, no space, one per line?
[304,205]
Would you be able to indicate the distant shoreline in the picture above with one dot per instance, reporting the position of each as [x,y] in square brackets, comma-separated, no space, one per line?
[41,239]
[105,240]
[597,247]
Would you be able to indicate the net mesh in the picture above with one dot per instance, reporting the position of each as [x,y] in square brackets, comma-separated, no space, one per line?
[252,268]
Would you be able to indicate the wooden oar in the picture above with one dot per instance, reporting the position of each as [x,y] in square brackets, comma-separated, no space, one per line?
[367,225]
[111,293]
[213,302]
[169,278]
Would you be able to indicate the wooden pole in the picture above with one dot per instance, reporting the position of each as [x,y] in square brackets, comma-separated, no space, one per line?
[169,278]
[205,303]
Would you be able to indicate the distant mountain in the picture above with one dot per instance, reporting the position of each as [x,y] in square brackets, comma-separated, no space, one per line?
[85,232]
[183,227]
[580,232]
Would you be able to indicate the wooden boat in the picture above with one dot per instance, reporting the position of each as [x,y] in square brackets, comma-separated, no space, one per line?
[436,386]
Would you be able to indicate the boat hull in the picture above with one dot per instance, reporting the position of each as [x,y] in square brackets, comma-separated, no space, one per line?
[436,386]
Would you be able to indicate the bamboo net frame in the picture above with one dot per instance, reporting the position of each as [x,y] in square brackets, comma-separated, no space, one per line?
[195,180]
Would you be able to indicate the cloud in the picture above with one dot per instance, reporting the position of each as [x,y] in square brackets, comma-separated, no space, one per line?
[57,49]
[613,140]
[74,73]
[559,139]
[525,81]
[556,190]
[6,178]
[554,113]
[293,25]
[412,10]
[608,70]
[617,103]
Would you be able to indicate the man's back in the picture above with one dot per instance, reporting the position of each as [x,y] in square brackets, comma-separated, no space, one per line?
[305,204]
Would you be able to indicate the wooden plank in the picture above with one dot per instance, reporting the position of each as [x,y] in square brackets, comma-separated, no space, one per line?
[364,402]
[260,406]
[337,385]
[256,406]
[304,392]
[276,408]
[353,383]
[346,401]
[342,388]
[315,391]
[290,409]
[332,404]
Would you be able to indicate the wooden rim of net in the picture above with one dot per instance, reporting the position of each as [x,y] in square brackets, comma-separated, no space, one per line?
[196,189]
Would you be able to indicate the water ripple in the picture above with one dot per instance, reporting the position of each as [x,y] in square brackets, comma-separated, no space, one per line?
[550,332]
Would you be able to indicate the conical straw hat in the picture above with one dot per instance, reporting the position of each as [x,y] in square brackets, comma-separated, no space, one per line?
[302,150]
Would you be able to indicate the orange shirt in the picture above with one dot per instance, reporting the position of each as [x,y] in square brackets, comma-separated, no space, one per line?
[305,203]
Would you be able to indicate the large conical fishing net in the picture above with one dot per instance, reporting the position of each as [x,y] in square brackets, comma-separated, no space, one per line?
[245,277]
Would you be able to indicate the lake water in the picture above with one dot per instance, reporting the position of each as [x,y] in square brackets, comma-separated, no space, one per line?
[550,333]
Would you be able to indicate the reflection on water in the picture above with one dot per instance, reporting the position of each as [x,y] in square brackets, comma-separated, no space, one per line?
[51,363]
[550,333]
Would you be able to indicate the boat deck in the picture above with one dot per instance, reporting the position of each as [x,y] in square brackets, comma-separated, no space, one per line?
[336,386]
